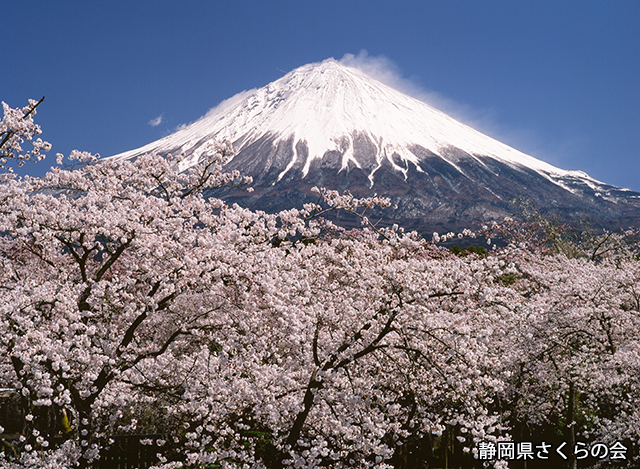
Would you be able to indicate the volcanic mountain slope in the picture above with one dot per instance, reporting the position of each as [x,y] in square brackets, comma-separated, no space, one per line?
[327,124]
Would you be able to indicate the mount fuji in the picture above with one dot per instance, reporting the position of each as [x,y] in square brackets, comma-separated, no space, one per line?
[328,124]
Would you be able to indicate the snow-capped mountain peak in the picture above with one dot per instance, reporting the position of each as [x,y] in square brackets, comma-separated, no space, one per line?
[322,106]
[329,122]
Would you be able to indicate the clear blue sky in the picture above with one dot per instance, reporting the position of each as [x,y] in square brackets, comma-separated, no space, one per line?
[559,80]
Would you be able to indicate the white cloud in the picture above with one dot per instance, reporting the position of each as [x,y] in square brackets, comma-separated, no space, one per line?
[157,121]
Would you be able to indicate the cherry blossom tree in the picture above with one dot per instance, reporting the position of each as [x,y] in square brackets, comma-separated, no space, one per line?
[342,350]
[573,364]
[95,263]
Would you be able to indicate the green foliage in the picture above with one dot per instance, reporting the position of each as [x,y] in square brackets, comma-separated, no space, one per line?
[508,279]
[463,252]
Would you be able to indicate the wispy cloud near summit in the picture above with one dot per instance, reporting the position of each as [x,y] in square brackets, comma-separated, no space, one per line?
[157,121]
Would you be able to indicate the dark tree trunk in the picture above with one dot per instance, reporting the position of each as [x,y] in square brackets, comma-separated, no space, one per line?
[571,432]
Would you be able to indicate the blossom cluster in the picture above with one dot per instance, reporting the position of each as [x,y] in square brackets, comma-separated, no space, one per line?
[16,127]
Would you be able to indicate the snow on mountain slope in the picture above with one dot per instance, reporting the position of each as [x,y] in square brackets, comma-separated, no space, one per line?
[324,105]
